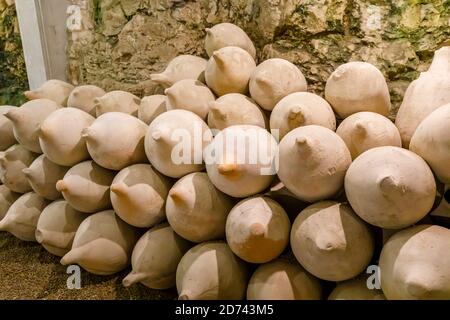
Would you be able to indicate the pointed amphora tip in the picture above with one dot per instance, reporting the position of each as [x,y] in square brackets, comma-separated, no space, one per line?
[73,256]
[178,196]
[218,58]
[227,168]
[119,188]
[132,278]
[257,230]
[61,186]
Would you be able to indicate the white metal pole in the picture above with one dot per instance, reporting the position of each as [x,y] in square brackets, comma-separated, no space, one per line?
[31,42]
[44,39]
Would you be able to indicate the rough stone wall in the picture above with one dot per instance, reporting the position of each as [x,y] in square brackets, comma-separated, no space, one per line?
[13,76]
[123,41]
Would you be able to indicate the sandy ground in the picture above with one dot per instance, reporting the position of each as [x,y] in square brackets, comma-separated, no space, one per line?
[27,271]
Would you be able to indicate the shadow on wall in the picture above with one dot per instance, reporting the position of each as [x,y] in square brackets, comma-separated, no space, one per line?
[13,75]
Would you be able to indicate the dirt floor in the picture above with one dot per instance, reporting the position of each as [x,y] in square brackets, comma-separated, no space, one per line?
[27,271]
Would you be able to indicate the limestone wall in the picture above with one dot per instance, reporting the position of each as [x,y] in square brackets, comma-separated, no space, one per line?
[13,77]
[123,41]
